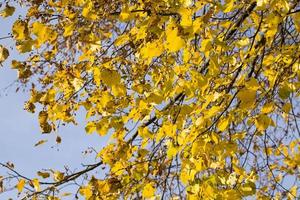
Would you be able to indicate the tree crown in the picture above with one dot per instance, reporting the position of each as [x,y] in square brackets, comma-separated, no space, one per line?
[200,97]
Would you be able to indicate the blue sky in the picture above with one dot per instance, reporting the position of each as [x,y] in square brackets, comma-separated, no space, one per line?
[20,130]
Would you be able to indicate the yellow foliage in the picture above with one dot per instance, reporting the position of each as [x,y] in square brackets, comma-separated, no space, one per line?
[190,97]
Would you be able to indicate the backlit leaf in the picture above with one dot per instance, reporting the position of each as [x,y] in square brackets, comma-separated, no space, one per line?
[20,185]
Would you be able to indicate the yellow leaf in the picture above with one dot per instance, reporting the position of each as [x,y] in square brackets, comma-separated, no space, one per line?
[141,32]
[4,53]
[125,14]
[148,191]
[229,5]
[40,143]
[223,124]
[272,26]
[248,189]
[44,125]
[49,96]
[86,191]
[174,41]
[232,194]
[239,136]
[69,29]
[58,176]
[252,84]
[122,39]
[197,25]
[267,108]
[16,64]
[145,133]
[36,184]
[20,30]
[43,32]
[69,14]
[285,91]
[118,168]
[43,174]
[8,11]
[244,42]
[186,17]
[287,107]
[90,127]
[152,49]
[262,122]
[102,127]
[172,150]
[293,192]
[186,55]
[247,98]
[118,90]
[20,185]
[25,46]
[206,47]
[88,12]
[108,77]
[154,97]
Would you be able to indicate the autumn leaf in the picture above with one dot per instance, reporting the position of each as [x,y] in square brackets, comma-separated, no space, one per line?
[174,42]
[148,191]
[86,192]
[223,124]
[263,122]
[43,174]
[4,53]
[36,184]
[20,185]
[40,143]
[247,97]
[58,176]
[69,29]
[20,30]
[43,33]
[8,11]
[151,50]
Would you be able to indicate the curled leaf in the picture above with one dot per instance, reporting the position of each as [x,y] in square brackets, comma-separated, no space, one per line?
[4,53]
[40,143]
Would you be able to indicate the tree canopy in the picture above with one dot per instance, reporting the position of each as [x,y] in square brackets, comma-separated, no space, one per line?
[200,97]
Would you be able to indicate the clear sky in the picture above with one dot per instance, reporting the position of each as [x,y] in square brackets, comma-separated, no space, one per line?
[20,130]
